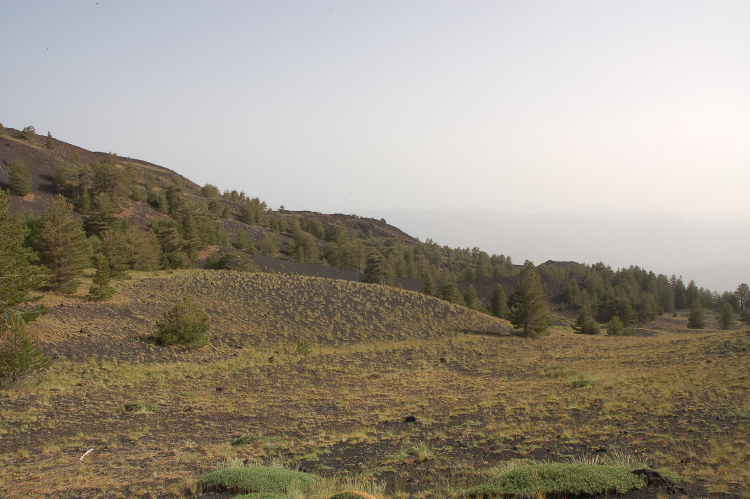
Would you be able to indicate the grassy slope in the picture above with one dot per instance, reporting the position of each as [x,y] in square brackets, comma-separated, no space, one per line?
[380,354]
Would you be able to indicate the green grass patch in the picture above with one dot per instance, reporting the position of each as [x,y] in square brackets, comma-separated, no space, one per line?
[262,495]
[558,479]
[140,407]
[268,481]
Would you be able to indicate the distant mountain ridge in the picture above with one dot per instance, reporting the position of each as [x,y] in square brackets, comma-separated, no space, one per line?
[713,253]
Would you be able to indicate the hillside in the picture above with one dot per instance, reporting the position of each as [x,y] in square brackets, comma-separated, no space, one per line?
[157,417]
[413,383]
[189,222]
[251,311]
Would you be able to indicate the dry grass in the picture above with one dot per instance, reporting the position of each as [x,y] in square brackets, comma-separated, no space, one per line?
[678,400]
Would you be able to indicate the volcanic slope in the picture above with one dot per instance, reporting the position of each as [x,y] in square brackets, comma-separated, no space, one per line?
[409,389]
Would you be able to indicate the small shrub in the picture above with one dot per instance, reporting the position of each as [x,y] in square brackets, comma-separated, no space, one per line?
[232,260]
[245,439]
[28,133]
[556,371]
[184,323]
[20,351]
[559,479]
[352,494]
[615,327]
[140,407]
[580,382]
[585,323]
[100,289]
[304,347]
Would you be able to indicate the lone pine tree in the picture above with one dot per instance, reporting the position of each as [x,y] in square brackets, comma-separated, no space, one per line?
[19,178]
[376,269]
[529,311]
[696,318]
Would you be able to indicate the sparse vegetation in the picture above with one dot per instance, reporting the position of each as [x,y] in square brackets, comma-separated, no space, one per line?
[343,378]
[28,133]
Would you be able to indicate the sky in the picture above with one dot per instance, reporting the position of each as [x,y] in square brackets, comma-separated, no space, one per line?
[573,107]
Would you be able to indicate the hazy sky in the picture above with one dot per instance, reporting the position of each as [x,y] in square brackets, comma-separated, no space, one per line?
[523,107]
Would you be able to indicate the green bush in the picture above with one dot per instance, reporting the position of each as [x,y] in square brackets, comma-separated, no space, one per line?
[184,323]
[696,318]
[100,289]
[615,327]
[585,323]
[19,178]
[28,133]
[559,479]
[232,260]
[258,480]
[304,347]
[726,316]
[20,351]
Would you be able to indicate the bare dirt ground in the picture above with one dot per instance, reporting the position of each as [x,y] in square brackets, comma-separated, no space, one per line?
[409,389]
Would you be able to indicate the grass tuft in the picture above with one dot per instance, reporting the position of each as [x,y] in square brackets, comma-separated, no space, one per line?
[558,479]
[277,482]
[140,407]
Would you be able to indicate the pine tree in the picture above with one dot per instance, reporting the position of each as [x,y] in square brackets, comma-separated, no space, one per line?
[17,275]
[572,292]
[450,293]
[696,318]
[19,178]
[20,351]
[615,327]
[529,311]
[59,239]
[499,302]
[743,294]
[172,245]
[726,316]
[49,143]
[585,323]
[269,246]
[691,294]
[142,249]
[429,286]
[100,288]
[115,251]
[376,269]
[471,299]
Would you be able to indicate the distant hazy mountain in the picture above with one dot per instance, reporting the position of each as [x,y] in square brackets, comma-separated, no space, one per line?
[715,254]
